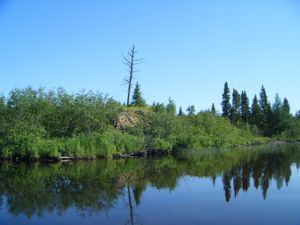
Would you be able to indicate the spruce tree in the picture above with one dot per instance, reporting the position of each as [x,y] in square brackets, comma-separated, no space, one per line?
[265,110]
[245,111]
[137,99]
[213,109]
[286,107]
[277,113]
[226,101]
[255,118]
[235,107]
[281,115]
[180,113]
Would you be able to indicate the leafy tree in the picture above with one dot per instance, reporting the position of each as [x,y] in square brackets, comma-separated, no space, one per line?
[137,99]
[298,114]
[235,108]
[245,110]
[191,110]
[171,107]
[158,107]
[226,101]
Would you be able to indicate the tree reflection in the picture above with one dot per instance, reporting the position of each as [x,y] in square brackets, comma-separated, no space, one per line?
[94,187]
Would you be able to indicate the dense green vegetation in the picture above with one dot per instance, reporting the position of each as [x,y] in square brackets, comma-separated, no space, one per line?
[94,187]
[50,124]
[271,120]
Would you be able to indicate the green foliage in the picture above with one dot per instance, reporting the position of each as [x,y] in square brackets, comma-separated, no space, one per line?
[235,113]
[256,114]
[180,113]
[50,124]
[245,110]
[171,107]
[191,110]
[292,131]
[298,114]
[137,99]
[226,101]
[96,187]
[213,109]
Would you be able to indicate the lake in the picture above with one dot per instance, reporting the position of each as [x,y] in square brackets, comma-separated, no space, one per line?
[258,185]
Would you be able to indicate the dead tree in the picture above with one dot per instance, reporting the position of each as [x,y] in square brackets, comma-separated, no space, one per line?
[131,61]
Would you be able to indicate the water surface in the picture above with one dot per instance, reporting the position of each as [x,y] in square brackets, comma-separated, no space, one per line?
[245,186]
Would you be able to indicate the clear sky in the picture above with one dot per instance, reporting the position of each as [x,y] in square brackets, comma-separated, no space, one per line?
[190,47]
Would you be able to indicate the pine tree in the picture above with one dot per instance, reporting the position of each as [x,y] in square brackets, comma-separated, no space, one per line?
[213,109]
[180,113]
[265,110]
[226,101]
[137,99]
[235,107]
[255,117]
[245,111]
[277,113]
[281,115]
[286,107]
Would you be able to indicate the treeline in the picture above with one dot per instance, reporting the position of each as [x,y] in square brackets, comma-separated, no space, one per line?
[270,119]
[50,124]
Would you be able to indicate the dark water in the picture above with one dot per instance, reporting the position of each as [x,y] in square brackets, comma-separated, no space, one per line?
[250,186]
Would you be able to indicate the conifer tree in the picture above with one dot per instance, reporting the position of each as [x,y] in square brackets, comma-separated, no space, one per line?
[281,115]
[137,99]
[245,111]
[265,110]
[213,109]
[255,117]
[180,113]
[277,113]
[226,101]
[277,103]
[286,107]
[235,107]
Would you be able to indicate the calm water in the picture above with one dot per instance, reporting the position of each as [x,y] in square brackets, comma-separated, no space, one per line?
[249,186]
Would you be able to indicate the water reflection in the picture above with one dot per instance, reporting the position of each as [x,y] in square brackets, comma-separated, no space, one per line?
[95,187]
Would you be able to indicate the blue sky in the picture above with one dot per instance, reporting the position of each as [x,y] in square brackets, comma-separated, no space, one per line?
[190,47]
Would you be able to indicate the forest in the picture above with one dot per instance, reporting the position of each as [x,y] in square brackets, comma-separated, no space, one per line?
[49,124]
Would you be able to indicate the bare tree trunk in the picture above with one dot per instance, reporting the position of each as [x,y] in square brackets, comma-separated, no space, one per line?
[130,61]
[132,52]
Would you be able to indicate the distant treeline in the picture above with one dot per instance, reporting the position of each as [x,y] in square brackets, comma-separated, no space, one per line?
[49,124]
[269,119]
